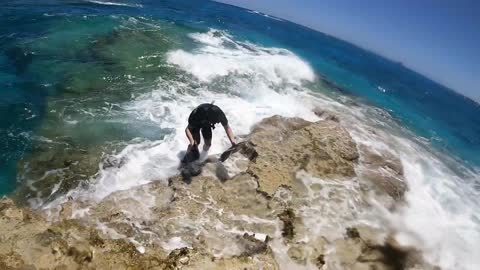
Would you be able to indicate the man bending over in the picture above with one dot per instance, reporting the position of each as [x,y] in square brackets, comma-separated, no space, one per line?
[203,118]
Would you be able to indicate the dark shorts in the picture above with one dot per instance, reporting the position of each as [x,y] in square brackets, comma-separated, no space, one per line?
[206,133]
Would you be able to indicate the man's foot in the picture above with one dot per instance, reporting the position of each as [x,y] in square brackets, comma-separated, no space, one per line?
[191,154]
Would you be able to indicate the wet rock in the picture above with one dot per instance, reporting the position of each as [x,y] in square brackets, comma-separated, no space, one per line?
[81,253]
[95,239]
[298,254]
[183,260]
[352,233]
[175,257]
[6,203]
[221,172]
[248,150]
[13,213]
[358,251]
[325,115]
[252,245]
[288,217]
[64,245]
[384,159]
[216,207]
[8,209]
[347,251]
[262,131]
[190,169]
[320,261]
[47,237]
[285,146]
[383,172]
[197,259]
[122,228]
[13,261]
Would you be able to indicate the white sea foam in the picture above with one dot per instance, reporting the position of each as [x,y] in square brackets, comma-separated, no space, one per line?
[249,83]
[440,217]
[221,56]
[265,15]
[442,214]
[345,209]
[173,243]
[113,3]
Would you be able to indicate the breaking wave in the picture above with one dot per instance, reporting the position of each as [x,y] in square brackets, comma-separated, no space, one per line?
[113,3]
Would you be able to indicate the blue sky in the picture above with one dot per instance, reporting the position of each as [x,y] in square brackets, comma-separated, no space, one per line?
[438,38]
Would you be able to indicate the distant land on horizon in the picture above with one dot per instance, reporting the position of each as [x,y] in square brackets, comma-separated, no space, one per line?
[474,99]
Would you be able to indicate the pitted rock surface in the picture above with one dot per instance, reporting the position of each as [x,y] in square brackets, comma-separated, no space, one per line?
[284,146]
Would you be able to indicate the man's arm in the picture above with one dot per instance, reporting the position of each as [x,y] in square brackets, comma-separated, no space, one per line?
[189,136]
[230,135]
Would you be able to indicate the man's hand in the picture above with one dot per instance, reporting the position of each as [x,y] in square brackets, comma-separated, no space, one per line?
[191,147]
[230,135]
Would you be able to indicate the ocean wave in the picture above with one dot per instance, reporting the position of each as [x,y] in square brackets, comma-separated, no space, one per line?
[265,15]
[114,3]
[224,56]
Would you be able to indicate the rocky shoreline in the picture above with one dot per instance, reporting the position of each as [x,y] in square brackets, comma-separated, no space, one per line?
[291,198]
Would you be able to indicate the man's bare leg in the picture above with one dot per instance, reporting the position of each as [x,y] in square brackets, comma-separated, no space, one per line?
[207,144]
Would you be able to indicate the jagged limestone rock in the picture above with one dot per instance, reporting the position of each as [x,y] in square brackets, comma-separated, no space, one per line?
[285,146]
[222,218]
[30,242]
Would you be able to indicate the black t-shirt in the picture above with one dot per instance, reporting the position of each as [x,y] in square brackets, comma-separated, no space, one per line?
[206,115]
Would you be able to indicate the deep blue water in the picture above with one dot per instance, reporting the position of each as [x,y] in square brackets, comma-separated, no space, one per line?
[28,80]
